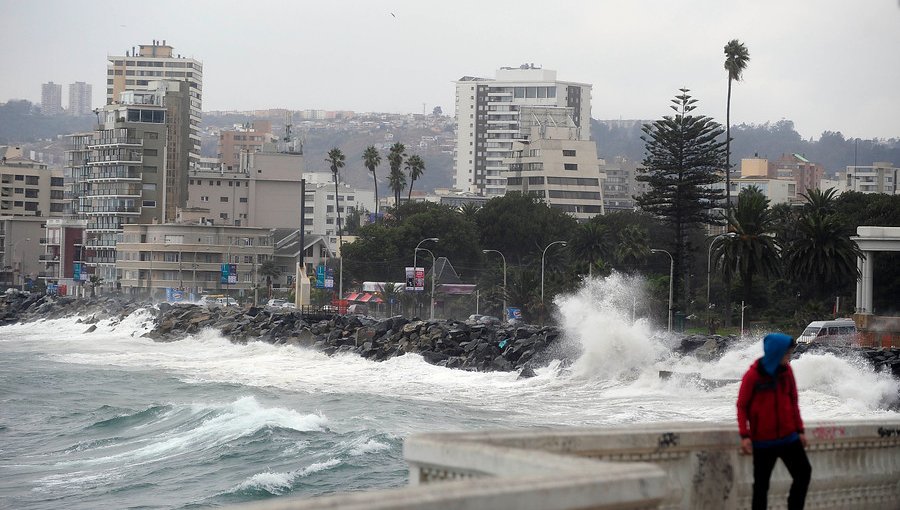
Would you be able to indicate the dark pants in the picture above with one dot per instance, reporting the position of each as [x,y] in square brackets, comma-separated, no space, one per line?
[794,458]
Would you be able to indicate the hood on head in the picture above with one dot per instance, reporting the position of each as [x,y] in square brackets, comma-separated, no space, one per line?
[774,347]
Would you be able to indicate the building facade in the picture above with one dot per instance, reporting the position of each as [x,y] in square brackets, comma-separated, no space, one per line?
[29,188]
[140,67]
[619,186]
[190,258]
[879,177]
[249,138]
[487,118]
[63,253]
[51,98]
[553,163]
[778,191]
[80,98]
[805,174]
[20,250]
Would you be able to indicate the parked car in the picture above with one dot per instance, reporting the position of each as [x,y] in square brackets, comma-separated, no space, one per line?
[288,304]
[841,332]
[276,303]
[483,319]
[226,301]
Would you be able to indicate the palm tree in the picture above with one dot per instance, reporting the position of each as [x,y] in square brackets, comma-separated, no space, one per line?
[819,202]
[416,167]
[270,270]
[591,243]
[754,250]
[633,246]
[397,180]
[823,256]
[95,282]
[371,160]
[468,210]
[335,160]
[736,58]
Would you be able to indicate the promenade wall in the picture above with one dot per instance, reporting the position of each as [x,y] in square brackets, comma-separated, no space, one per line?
[856,465]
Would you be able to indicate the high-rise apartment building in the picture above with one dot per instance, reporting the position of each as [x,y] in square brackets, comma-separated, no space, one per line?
[51,98]
[487,118]
[116,176]
[879,177]
[139,68]
[805,174]
[552,162]
[29,188]
[80,98]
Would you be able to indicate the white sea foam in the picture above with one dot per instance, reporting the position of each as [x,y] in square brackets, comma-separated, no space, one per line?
[281,482]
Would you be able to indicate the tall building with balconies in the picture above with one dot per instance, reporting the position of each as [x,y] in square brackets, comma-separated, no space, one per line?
[115,176]
[51,98]
[29,188]
[487,121]
[140,67]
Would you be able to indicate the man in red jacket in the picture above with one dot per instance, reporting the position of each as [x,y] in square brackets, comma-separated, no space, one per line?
[770,424]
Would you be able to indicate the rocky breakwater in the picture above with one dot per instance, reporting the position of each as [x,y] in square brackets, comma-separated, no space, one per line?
[448,343]
[18,306]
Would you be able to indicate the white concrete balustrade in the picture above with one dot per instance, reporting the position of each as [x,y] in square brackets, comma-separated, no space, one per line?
[856,465]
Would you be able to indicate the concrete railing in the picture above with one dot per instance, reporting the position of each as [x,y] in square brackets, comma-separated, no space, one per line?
[856,464]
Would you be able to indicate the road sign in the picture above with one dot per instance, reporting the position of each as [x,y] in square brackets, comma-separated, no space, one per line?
[415,278]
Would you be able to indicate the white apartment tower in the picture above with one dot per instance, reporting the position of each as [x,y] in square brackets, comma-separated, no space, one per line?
[51,98]
[487,120]
[80,98]
[139,68]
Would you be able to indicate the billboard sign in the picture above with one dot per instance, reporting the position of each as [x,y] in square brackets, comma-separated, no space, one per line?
[415,278]
[229,274]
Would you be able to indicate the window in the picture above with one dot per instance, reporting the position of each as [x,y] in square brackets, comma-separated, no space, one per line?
[218,183]
[150,169]
[32,180]
[57,182]
[571,166]
[223,199]
[150,135]
[149,203]
[204,199]
[243,200]
[31,193]
[18,191]
[20,177]
[149,186]
[224,216]
[31,206]
[192,181]
[569,153]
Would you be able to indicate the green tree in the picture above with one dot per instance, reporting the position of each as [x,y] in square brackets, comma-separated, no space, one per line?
[335,161]
[371,160]
[592,243]
[632,247]
[521,226]
[754,250]
[270,270]
[524,292]
[397,179]
[95,281]
[736,59]
[682,162]
[823,257]
[468,210]
[415,166]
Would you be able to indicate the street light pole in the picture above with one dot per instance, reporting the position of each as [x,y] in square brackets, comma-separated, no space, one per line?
[542,265]
[433,277]
[416,252]
[671,282]
[504,278]
[709,259]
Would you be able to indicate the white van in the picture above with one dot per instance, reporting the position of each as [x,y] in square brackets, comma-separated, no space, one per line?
[837,332]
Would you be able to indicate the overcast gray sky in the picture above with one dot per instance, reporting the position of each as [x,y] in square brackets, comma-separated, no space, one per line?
[825,64]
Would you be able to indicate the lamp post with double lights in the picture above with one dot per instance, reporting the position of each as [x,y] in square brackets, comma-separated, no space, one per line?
[415,252]
[542,265]
[504,277]
[671,282]
[433,278]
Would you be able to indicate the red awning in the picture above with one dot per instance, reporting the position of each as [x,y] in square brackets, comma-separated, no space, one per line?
[353,296]
[370,298]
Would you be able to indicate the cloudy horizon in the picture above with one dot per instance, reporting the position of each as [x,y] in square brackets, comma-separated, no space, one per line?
[825,65]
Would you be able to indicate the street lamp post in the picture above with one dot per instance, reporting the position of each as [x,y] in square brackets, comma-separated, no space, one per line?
[709,259]
[433,277]
[671,282]
[504,278]
[415,252]
[542,265]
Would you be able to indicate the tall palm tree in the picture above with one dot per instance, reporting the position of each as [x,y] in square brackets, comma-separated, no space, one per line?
[820,202]
[754,250]
[371,160]
[416,167]
[397,180]
[468,210]
[270,270]
[632,247]
[335,160]
[591,243]
[736,58]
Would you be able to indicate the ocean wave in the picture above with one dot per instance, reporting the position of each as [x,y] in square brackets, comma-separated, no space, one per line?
[280,482]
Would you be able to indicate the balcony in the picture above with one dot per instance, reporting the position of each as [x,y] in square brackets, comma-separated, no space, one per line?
[135,158]
[114,142]
[100,260]
[48,257]
[114,209]
[123,192]
[98,175]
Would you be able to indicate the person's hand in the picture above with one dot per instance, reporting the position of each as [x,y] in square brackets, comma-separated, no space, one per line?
[803,440]
[747,446]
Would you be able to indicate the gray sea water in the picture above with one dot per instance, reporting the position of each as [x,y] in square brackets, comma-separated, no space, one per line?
[111,420]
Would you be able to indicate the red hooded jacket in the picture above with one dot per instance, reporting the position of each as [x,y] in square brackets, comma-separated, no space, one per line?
[767,406]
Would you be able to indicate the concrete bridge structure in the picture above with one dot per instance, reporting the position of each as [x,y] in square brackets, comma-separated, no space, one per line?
[877,331]
[856,465]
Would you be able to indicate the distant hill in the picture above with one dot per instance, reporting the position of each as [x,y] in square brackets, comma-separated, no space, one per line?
[769,140]
[21,122]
